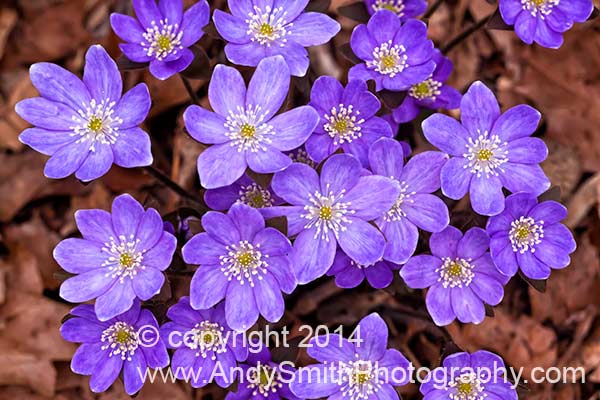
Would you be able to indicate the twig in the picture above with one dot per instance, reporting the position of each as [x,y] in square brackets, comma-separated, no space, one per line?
[160,176]
[465,34]
[432,9]
[190,90]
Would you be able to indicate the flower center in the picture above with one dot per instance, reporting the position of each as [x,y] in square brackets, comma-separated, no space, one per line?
[121,339]
[207,338]
[467,387]
[247,129]
[539,7]
[395,6]
[255,196]
[162,39]
[96,123]
[358,380]
[343,124]
[327,213]
[268,26]
[455,273]
[244,262]
[124,259]
[388,59]
[396,213]
[428,89]
[301,156]
[525,233]
[486,155]
[264,380]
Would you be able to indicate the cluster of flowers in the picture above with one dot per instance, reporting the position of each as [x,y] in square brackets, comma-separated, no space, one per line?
[353,204]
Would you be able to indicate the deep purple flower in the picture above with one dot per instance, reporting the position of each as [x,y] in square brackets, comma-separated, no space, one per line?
[529,236]
[348,119]
[396,55]
[256,29]
[460,275]
[264,379]
[415,206]
[333,208]
[480,375]
[349,274]
[489,151]
[129,343]
[244,190]
[161,34]
[404,9]
[121,257]
[544,21]
[86,125]
[204,344]
[364,369]
[244,130]
[242,261]
[432,93]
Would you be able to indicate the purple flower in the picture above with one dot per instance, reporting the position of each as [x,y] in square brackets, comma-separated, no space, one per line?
[349,274]
[432,93]
[301,156]
[244,130]
[362,368]
[86,125]
[128,343]
[263,379]
[204,343]
[333,209]
[404,9]
[489,151]
[242,261]
[256,29]
[529,236]
[460,275]
[348,119]
[480,375]
[544,21]
[415,206]
[161,34]
[396,56]
[244,190]
[120,257]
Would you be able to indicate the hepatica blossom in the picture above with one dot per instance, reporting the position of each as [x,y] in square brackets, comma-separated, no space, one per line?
[488,150]
[348,119]
[349,274]
[161,34]
[404,9]
[125,343]
[363,370]
[120,257]
[244,130]
[244,190]
[242,261]
[396,55]
[432,93]
[544,21]
[529,236]
[464,376]
[86,125]
[263,379]
[204,343]
[256,29]
[415,206]
[333,209]
[460,275]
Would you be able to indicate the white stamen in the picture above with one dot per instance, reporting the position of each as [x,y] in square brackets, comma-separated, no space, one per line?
[207,338]
[428,89]
[328,213]
[525,233]
[255,196]
[247,129]
[162,39]
[122,340]
[264,380]
[466,387]
[359,379]
[343,124]
[124,259]
[456,273]
[244,262]
[396,213]
[96,123]
[268,26]
[389,60]
[486,155]
[396,6]
[540,8]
